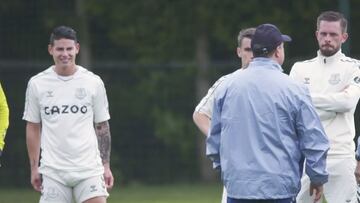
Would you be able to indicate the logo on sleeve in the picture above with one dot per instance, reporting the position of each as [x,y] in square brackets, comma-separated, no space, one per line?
[357,79]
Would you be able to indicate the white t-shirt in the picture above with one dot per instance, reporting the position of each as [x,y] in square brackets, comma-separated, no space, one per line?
[206,104]
[67,108]
[334,85]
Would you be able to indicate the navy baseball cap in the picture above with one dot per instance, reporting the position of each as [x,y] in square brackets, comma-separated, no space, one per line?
[266,38]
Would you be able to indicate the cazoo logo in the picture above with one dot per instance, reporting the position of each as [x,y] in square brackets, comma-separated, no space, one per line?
[65,109]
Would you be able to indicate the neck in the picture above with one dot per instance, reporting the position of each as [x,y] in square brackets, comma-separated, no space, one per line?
[65,70]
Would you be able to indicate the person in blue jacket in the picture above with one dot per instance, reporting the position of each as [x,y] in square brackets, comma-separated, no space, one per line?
[263,127]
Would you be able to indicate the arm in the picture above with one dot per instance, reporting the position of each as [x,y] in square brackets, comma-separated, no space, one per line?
[357,171]
[4,118]
[343,101]
[357,157]
[317,190]
[338,102]
[325,115]
[213,139]
[314,144]
[33,147]
[202,121]
[102,130]
[203,111]
[294,74]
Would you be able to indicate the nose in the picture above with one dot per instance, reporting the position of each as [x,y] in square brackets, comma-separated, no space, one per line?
[327,38]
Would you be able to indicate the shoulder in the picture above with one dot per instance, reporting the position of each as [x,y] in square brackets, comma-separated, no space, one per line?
[219,82]
[89,75]
[41,76]
[305,62]
[350,61]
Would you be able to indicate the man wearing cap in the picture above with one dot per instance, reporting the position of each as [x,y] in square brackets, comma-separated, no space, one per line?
[263,126]
[334,83]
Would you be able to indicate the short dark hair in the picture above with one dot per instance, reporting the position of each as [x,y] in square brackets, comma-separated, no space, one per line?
[332,16]
[63,32]
[245,33]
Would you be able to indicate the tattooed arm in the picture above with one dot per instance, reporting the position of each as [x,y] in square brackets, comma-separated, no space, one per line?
[104,141]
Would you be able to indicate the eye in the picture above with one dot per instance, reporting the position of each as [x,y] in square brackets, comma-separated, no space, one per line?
[248,49]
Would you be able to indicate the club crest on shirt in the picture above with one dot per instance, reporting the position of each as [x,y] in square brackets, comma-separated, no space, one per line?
[80,93]
[334,79]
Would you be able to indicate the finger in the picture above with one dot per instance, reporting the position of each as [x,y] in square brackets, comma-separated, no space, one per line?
[37,187]
[109,182]
[317,196]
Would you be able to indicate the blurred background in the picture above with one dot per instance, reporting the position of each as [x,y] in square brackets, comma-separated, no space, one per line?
[157,58]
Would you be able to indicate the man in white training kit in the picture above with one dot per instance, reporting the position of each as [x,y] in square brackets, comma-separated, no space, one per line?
[203,111]
[334,83]
[67,115]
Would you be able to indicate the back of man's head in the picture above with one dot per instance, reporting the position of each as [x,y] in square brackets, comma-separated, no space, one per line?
[266,39]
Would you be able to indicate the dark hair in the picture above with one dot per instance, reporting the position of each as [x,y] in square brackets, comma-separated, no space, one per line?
[63,32]
[332,16]
[248,33]
[264,54]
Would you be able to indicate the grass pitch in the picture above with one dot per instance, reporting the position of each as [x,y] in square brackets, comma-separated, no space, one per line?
[176,193]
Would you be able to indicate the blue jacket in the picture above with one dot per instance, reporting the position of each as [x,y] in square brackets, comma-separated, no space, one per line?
[263,126]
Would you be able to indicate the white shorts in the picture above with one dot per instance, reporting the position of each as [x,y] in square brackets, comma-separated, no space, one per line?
[54,191]
[224,196]
[341,187]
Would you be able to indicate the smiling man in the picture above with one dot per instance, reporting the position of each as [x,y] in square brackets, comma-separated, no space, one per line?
[66,110]
[334,84]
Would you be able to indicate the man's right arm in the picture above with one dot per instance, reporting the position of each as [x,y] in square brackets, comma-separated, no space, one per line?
[323,114]
[33,148]
[314,144]
[203,111]
[202,121]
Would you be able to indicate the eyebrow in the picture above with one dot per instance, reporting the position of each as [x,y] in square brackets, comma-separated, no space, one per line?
[247,49]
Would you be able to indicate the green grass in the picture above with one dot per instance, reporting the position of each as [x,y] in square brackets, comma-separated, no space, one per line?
[177,193]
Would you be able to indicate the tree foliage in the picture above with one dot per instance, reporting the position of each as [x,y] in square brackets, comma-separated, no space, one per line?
[151,104]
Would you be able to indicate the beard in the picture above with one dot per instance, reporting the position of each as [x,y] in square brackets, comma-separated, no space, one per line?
[329,50]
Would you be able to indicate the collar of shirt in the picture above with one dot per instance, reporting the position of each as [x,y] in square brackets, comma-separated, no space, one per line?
[266,63]
[329,59]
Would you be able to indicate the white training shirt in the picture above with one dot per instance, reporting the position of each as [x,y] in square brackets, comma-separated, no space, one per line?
[206,104]
[67,108]
[334,84]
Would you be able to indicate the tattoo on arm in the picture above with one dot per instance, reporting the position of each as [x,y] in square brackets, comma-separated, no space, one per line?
[104,140]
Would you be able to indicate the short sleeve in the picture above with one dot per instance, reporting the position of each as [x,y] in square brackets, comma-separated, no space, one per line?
[100,103]
[32,106]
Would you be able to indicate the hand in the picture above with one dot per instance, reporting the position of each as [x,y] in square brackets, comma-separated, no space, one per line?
[108,177]
[357,172]
[318,189]
[36,180]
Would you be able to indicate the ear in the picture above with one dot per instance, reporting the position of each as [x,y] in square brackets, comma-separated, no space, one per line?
[278,51]
[316,34]
[344,36]
[50,49]
[77,45]
[238,52]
